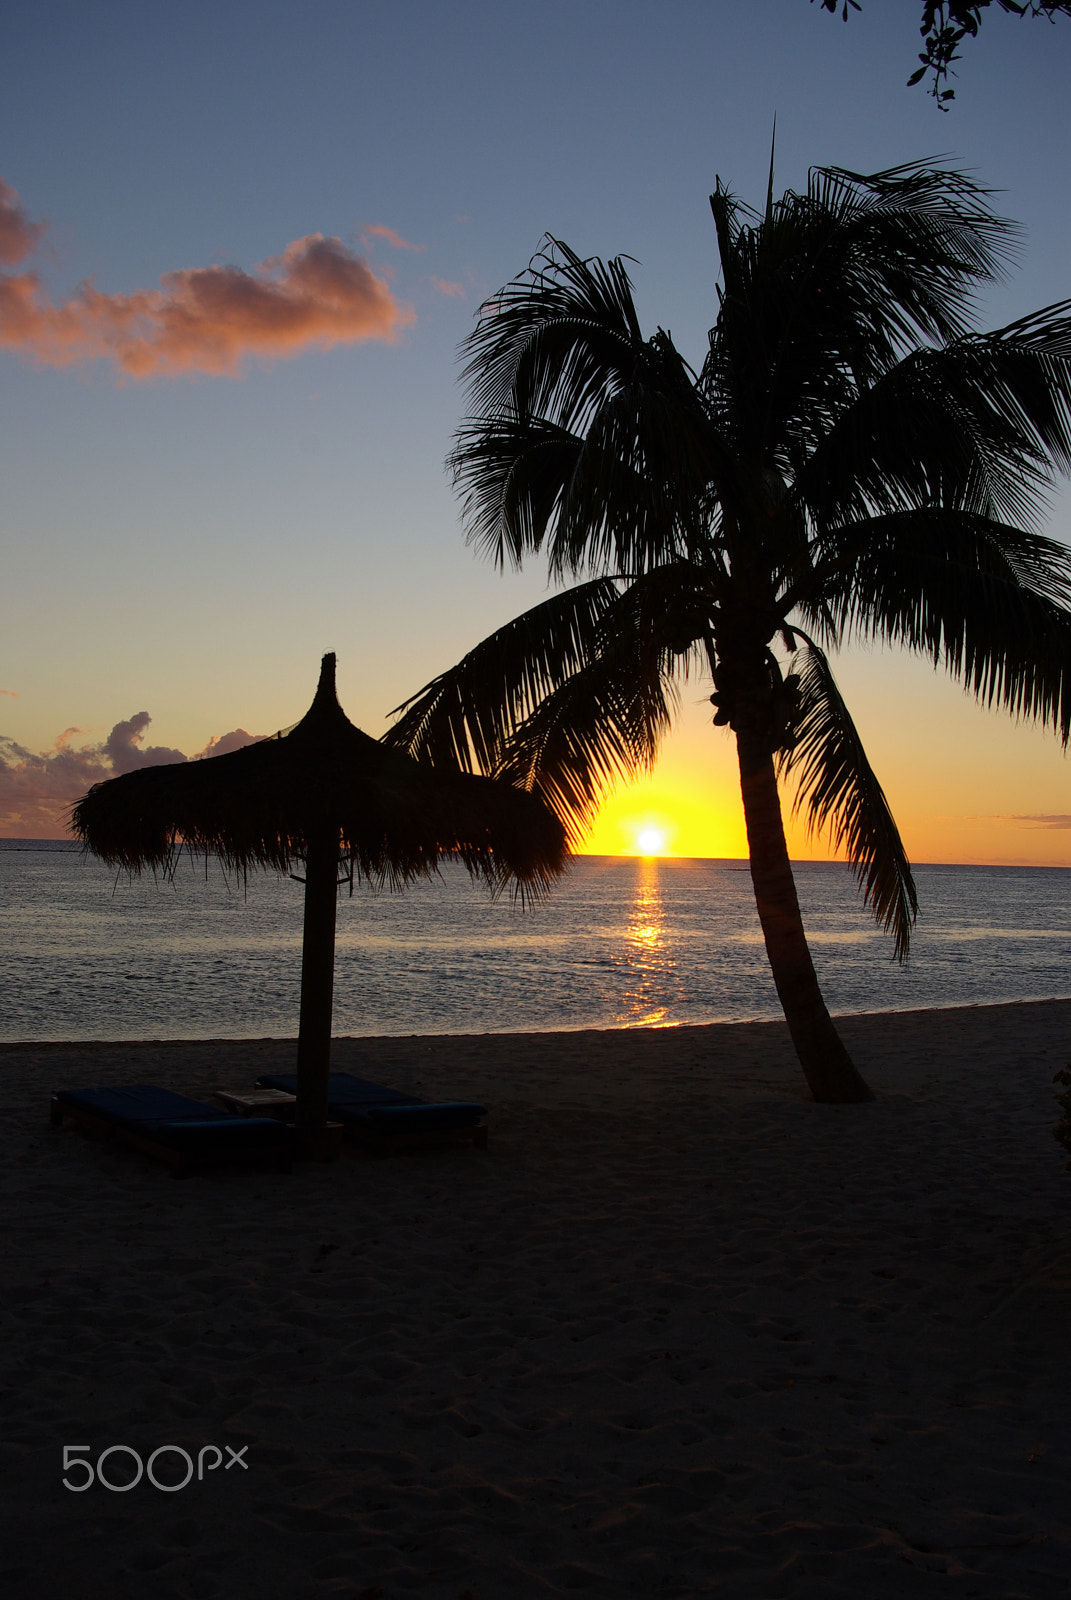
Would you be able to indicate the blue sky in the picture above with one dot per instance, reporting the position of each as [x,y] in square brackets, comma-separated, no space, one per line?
[190,545]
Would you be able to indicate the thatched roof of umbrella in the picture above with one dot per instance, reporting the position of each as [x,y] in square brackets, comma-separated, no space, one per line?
[320,792]
[395,819]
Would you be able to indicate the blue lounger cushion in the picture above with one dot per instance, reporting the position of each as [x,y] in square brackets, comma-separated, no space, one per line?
[175,1121]
[141,1102]
[361,1103]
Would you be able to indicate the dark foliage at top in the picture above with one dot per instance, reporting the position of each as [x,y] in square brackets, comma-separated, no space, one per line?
[945,25]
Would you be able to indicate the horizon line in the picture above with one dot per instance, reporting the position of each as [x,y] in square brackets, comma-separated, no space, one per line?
[28,841]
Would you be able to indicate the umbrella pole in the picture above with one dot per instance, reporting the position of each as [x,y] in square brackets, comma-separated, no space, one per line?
[317,981]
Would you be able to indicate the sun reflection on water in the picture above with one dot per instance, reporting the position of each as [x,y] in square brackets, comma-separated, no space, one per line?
[650,969]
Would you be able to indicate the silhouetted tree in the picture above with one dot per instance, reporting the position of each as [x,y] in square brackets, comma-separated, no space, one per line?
[852,459]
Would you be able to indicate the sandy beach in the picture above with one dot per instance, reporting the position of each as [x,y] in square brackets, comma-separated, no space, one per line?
[678,1331]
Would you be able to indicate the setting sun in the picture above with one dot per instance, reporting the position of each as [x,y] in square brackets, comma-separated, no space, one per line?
[691,804]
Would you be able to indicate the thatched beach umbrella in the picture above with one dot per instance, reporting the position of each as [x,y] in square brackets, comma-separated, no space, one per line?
[321,794]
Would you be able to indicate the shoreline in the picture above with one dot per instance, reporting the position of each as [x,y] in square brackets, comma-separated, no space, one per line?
[678,1329]
[625,1029]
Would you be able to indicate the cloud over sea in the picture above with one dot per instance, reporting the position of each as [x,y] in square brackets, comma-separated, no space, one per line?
[38,788]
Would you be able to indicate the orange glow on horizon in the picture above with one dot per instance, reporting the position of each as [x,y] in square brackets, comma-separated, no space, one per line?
[965,784]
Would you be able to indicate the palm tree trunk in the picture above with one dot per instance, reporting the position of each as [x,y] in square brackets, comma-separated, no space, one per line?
[317,980]
[827,1066]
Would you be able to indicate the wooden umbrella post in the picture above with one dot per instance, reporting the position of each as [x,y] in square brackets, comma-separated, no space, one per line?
[317,993]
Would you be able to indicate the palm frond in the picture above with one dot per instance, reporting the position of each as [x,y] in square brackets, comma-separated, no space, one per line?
[727,209]
[511,471]
[625,495]
[465,716]
[987,601]
[923,237]
[635,498]
[834,288]
[549,341]
[570,697]
[601,726]
[837,789]
[978,425]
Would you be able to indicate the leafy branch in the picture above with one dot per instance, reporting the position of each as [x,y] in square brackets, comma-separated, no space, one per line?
[945,25]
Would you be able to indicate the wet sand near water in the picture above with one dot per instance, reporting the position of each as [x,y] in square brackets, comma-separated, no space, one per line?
[678,1331]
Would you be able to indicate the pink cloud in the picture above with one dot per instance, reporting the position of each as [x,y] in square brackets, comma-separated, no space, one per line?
[317,294]
[226,742]
[19,237]
[378,230]
[444,286]
[13,694]
[123,747]
[37,789]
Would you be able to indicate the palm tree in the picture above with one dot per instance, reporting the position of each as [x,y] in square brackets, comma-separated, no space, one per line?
[852,459]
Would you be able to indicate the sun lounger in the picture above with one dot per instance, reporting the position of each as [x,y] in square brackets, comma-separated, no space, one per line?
[175,1129]
[387,1120]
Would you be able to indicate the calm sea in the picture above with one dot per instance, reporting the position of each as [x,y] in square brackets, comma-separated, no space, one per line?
[621,943]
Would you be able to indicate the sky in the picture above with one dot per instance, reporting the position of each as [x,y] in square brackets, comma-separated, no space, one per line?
[239,249]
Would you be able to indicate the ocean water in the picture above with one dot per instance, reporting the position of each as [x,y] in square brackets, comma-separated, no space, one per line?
[622,942]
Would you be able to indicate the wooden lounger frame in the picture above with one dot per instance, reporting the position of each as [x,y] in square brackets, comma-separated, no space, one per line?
[181,1162]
